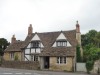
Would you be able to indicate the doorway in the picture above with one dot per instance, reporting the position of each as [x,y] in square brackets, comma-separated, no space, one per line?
[46,63]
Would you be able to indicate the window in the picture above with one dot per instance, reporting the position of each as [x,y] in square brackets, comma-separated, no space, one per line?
[65,60]
[35,44]
[12,55]
[61,60]
[61,43]
[34,58]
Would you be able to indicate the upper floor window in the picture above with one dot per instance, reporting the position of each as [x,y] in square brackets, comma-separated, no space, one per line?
[35,44]
[61,43]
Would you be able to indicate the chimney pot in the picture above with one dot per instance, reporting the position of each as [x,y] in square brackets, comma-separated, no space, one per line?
[77,27]
[13,39]
[30,30]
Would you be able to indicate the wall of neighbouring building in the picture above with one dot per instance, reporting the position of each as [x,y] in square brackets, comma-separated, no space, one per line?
[61,67]
[96,67]
[7,56]
[21,64]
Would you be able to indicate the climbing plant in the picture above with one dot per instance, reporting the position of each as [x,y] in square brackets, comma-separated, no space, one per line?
[78,54]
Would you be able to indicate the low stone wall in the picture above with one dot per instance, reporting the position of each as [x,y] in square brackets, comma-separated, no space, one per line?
[96,67]
[21,64]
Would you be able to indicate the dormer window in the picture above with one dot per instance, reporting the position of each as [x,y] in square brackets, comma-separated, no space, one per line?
[61,43]
[35,44]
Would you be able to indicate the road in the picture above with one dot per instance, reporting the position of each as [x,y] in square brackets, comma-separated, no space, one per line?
[9,71]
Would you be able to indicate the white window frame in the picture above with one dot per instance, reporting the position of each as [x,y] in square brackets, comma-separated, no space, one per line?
[61,43]
[34,58]
[12,55]
[61,60]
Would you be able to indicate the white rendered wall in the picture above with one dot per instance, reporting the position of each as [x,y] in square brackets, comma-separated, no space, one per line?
[61,36]
[27,51]
[32,50]
[28,57]
[68,44]
[36,37]
[38,50]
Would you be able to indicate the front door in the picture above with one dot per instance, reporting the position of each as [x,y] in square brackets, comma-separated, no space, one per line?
[46,62]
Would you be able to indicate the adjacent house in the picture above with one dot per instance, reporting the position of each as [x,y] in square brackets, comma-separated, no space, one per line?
[53,50]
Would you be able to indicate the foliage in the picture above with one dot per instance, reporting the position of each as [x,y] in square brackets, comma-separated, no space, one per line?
[78,54]
[89,65]
[97,39]
[3,45]
[91,45]
[1,52]
[16,57]
[91,54]
[88,38]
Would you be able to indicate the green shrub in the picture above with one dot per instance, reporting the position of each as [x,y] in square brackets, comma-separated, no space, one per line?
[16,57]
[89,65]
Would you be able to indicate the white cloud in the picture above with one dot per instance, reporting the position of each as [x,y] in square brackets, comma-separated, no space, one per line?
[47,15]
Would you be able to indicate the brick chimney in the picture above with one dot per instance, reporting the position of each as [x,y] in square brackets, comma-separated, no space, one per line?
[77,27]
[30,30]
[78,37]
[13,39]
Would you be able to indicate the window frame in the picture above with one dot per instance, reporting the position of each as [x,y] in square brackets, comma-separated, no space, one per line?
[61,60]
[35,44]
[34,58]
[61,43]
[12,55]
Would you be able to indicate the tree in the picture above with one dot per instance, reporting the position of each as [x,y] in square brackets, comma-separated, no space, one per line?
[91,54]
[91,48]
[89,38]
[1,52]
[97,39]
[3,45]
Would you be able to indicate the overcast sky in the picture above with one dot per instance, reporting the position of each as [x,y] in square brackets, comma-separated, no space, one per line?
[47,15]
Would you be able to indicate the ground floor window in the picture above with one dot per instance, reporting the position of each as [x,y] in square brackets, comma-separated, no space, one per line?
[12,55]
[34,58]
[61,60]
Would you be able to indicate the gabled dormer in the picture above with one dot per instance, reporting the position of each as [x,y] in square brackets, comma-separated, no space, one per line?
[35,42]
[61,41]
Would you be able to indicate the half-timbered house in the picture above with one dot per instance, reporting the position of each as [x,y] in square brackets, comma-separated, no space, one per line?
[54,50]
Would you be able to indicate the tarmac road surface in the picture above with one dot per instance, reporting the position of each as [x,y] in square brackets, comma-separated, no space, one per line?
[10,71]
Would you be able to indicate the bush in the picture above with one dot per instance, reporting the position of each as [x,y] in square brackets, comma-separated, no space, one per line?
[16,57]
[89,65]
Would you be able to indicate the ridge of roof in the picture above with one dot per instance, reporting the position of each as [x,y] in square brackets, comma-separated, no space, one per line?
[54,31]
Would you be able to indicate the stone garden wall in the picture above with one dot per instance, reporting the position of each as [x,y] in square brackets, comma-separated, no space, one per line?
[21,64]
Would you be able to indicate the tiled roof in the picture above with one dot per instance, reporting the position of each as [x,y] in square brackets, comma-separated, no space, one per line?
[15,46]
[58,51]
[48,39]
